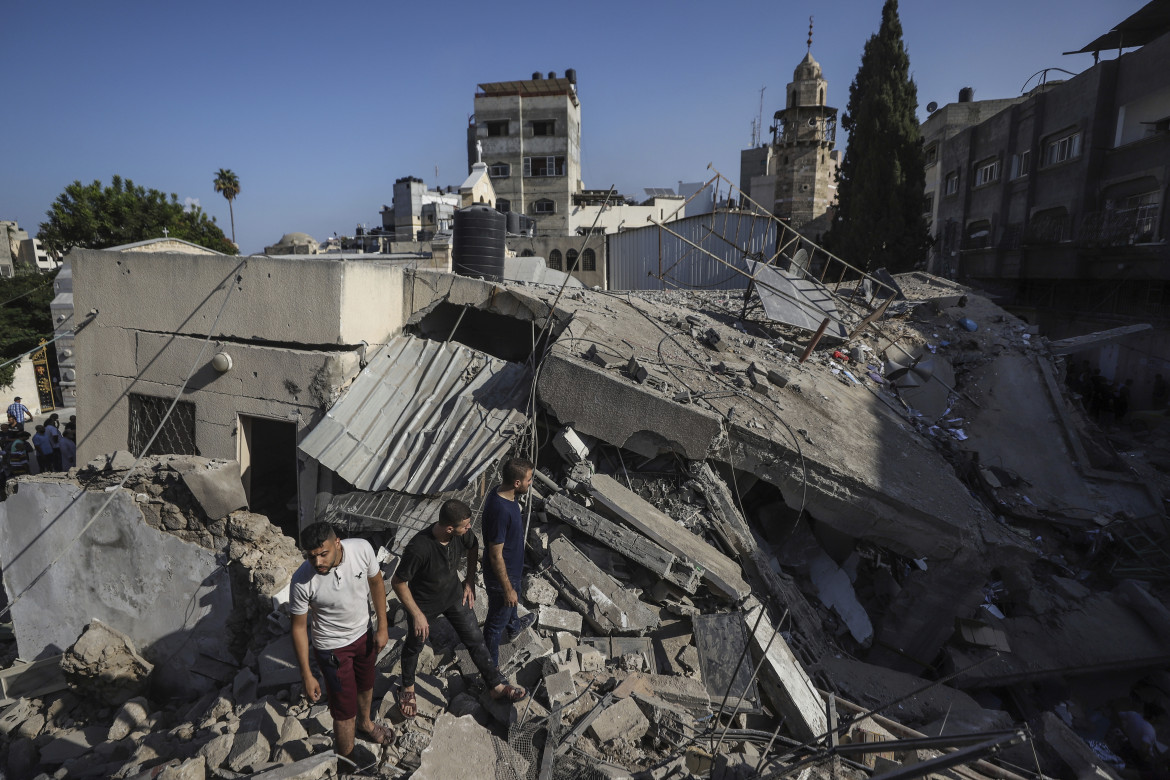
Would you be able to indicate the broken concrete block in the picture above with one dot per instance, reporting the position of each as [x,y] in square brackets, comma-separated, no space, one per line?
[217,750]
[637,371]
[591,660]
[688,657]
[131,717]
[539,591]
[278,666]
[217,488]
[31,727]
[245,686]
[715,341]
[554,619]
[777,377]
[634,546]
[71,743]
[560,661]
[15,714]
[104,664]
[719,570]
[564,641]
[560,687]
[621,720]
[685,692]
[191,769]
[120,460]
[259,727]
[606,604]
[787,684]
[461,749]
[311,768]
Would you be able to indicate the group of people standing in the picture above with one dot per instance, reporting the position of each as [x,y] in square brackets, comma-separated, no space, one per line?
[1107,401]
[51,446]
[341,576]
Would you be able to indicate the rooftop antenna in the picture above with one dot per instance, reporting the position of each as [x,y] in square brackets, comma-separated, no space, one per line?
[758,122]
[810,25]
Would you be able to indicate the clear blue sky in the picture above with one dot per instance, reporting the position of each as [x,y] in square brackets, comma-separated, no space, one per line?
[320,106]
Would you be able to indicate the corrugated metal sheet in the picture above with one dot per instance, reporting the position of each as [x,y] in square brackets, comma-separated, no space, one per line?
[395,516]
[423,417]
[633,255]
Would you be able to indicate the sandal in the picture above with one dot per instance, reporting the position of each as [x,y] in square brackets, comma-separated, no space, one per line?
[406,699]
[379,735]
[510,693]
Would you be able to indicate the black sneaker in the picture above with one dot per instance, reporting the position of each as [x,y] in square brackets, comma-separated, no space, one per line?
[523,623]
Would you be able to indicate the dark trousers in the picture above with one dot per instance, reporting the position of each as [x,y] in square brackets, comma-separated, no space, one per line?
[499,617]
[463,621]
[44,461]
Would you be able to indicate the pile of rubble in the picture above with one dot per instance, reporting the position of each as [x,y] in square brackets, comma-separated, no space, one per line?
[742,564]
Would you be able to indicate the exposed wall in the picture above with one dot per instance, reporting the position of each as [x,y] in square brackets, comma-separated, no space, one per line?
[544,246]
[620,215]
[293,327]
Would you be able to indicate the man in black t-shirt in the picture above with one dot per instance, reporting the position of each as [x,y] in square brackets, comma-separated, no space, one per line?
[427,583]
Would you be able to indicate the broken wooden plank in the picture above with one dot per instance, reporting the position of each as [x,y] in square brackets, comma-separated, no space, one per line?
[722,573]
[631,544]
[784,679]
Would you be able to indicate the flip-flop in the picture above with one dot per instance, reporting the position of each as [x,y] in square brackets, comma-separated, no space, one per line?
[379,735]
[407,699]
[510,693]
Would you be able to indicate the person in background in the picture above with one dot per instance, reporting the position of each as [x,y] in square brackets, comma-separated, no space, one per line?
[18,414]
[44,449]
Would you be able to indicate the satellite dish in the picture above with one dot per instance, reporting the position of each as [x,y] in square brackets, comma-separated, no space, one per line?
[916,374]
[931,107]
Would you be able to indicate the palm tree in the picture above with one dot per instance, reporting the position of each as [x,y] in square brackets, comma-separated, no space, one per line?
[228,183]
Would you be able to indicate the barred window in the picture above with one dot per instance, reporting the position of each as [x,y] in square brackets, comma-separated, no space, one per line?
[177,436]
[588,260]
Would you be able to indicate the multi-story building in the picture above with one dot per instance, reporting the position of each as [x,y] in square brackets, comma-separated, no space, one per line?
[418,213]
[529,135]
[1057,200]
[942,124]
[795,176]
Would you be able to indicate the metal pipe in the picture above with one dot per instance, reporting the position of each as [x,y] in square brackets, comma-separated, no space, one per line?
[816,338]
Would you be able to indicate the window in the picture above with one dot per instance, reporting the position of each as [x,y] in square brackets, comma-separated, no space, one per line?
[554,259]
[544,127]
[928,206]
[1021,164]
[588,260]
[503,205]
[177,435]
[978,235]
[544,206]
[1067,147]
[571,260]
[986,172]
[931,155]
[499,170]
[544,166]
[1048,226]
[952,183]
[497,128]
[1140,213]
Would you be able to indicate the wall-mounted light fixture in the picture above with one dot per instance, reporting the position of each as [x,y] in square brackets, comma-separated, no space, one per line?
[222,362]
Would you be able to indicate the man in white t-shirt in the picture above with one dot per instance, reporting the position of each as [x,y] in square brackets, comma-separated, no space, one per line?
[335,584]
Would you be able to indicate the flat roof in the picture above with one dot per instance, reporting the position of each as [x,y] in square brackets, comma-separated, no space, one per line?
[529,88]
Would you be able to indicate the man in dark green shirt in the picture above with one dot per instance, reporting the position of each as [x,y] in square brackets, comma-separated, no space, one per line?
[427,583]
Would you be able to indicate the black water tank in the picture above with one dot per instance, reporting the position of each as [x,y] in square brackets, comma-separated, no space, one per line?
[552,74]
[478,242]
[571,75]
[966,95]
[536,76]
[513,222]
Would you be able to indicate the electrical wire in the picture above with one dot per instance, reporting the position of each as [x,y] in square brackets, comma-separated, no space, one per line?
[28,292]
[229,281]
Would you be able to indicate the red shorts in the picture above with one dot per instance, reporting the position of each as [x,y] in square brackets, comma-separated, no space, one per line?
[348,670]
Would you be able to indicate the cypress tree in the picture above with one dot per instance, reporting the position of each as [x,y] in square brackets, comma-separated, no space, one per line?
[880,199]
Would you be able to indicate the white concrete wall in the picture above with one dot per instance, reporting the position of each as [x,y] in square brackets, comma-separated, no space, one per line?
[287,299]
[614,215]
[171,597]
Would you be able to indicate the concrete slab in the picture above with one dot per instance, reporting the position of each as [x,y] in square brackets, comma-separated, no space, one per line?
[621,720]
[461,749]
[719,571]
[785,682]
[609,607]
[217,488]
[170,597]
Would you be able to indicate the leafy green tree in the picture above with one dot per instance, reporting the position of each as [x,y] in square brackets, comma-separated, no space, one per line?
[24,317]
[228,184]
[95,217]
[880,198]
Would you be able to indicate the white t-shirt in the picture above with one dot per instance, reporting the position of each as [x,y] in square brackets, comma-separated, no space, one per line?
[338,600]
